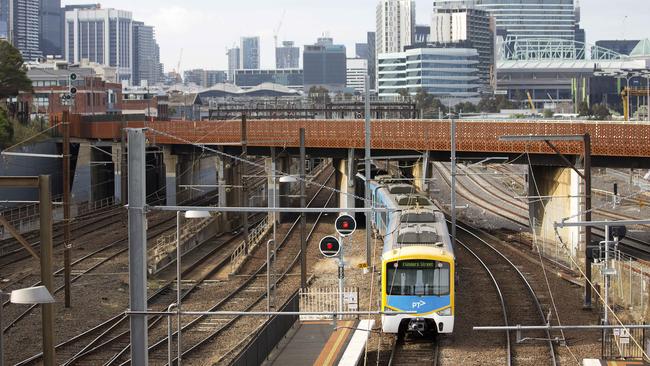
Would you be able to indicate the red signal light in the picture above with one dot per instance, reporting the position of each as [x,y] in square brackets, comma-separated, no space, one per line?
[345,224]
[330,246]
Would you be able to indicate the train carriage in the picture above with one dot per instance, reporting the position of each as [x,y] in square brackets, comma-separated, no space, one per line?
[418,263]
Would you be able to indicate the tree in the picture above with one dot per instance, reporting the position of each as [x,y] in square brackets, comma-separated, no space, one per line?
[600,112]
[583,109]
[487,105]
[13,76]
[548,113]
[319,94]
[404,93]
[6,128]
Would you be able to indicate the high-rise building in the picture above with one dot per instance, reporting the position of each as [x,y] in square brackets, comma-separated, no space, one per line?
[395,25]
[422,34]
[4,19]
[250,53]
[470,26]
[21,24]
[204,78]
[324,65]
[234,62]
[372,60]
[104,36]
[66,9]
[51,37]
[443,72]
[361,51]
[357,69]
[146,55]
[529,19]
[287,56]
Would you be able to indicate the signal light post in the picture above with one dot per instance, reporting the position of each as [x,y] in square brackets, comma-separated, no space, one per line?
[332,247]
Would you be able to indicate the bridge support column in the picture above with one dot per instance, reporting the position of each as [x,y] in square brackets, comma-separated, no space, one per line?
[117,156]
[171,181]
[82,181]
[556,193]
[346,180]
[187,168]
[273,190]
[285,190]
[422,173]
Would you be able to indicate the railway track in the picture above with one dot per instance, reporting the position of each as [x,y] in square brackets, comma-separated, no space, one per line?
[112,329]
[505,205]
[14,252]
[108,343]
[95,260]
[511,284]
[248,294]
[420,351]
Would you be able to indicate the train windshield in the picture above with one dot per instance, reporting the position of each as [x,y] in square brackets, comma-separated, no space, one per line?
[417,278]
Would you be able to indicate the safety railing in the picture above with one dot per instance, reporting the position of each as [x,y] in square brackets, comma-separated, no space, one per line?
[26,218]
[255,237]
[327,300]
[623,344]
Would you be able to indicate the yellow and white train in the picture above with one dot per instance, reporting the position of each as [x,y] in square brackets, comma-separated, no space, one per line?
[418,262]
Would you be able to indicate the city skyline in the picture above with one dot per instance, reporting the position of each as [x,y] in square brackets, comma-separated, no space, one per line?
[189,26]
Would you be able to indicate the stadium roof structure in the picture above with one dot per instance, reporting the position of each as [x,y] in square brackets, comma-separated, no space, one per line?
[574,65]
[641,50]
[230,90]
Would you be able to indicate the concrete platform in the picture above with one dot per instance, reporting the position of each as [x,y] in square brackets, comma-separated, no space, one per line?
[314,343]
[612,363]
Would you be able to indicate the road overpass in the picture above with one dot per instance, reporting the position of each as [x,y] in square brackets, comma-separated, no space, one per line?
[614,144]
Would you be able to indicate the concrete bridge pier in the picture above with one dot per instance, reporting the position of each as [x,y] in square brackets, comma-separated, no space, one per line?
[117,156]
[422,173]
[171,170]
[82,181]
[93,174]
[273,186]
[346,171]
[554,194]
[186,168]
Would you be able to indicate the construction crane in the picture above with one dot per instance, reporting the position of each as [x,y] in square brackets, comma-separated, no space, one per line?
[276,31]
[180,58]
[530,101]
[632,92]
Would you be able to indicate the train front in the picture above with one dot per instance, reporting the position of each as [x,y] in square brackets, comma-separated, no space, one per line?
[420,280]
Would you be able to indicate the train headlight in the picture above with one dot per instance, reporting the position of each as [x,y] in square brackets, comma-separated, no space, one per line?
[445,312]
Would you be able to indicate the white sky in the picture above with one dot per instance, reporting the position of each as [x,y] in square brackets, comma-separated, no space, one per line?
[205,28]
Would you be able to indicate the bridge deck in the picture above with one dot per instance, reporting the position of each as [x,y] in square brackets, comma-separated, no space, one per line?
[612,139]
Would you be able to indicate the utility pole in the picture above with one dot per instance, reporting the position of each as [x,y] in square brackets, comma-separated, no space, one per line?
[453,181]
[244,191]
[368,197]
[47,277]
[587,178]
[303,219]
[138,246]
[66,210]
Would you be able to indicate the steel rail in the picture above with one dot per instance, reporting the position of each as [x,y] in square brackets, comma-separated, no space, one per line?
[120,317]
[224,300]
[524,280]
[283,276]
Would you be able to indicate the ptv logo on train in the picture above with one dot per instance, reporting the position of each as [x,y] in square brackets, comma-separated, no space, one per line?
[419,304]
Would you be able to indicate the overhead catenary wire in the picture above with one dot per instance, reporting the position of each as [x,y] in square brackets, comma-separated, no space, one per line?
[541,262]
